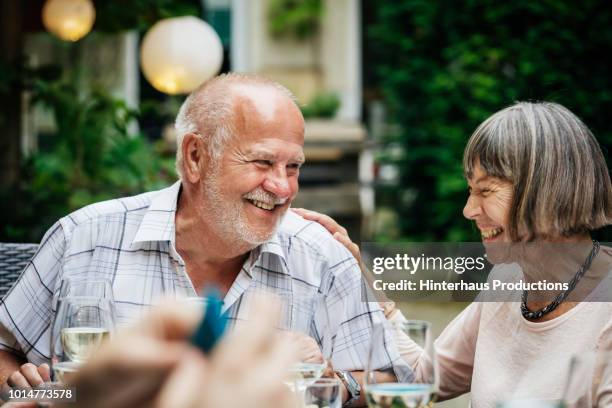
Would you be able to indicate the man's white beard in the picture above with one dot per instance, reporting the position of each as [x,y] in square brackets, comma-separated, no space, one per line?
[226,216]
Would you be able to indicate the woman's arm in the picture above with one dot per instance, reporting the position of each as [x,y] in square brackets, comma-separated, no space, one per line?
[456,345]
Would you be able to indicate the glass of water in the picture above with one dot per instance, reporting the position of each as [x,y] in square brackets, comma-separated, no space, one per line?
[415,389]
[81,325]
[323,393]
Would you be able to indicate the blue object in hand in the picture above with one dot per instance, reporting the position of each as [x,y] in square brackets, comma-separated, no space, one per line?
[212,326]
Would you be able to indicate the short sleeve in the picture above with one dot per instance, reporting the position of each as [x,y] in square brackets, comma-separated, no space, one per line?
[26,311]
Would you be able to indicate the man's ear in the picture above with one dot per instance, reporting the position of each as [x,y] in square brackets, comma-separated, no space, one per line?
[193,157]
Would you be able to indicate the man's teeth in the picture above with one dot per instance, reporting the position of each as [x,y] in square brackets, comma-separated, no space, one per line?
[491,233]
[262,205]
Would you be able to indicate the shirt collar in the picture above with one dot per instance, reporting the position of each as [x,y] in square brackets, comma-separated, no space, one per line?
[158,221]
[272,246]
[158,224]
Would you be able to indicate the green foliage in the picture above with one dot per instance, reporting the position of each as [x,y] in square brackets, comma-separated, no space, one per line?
[116,16]
[295,18]
[445,66]
[322,105]
[91,157]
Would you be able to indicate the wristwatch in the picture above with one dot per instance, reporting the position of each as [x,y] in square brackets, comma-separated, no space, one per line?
[351,384]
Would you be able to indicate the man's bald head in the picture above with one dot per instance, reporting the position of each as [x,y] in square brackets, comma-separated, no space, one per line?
[215,109]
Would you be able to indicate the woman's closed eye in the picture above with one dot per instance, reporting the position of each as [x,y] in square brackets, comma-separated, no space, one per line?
[486,191]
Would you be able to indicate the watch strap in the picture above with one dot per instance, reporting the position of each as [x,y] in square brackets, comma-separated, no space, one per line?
[351,384]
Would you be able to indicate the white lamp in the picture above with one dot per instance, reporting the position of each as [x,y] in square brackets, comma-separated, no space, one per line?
[69,20]
[178,54]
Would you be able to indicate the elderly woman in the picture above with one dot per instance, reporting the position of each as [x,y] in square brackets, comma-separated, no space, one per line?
[535,174]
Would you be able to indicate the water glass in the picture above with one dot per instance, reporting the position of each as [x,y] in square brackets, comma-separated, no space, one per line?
[323,393]
[413,389]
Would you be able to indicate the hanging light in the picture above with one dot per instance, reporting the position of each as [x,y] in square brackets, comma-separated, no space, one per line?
[69,20]
[178,54]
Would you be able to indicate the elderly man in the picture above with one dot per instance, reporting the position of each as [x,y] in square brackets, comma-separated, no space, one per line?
[224,224]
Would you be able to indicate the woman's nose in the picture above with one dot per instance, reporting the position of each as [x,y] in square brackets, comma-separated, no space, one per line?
[472,208]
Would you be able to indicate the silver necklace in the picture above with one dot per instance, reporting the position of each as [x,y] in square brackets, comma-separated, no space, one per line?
[528,314]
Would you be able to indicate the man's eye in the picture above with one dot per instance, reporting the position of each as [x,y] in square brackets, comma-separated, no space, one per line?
[293,166]
[266,163]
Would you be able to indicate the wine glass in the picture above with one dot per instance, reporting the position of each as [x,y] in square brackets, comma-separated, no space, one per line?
[413,389]
[323,393]
[72,286]
[81,325]
[589,380]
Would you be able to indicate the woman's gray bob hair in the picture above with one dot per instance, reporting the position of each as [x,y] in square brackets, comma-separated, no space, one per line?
[561,184]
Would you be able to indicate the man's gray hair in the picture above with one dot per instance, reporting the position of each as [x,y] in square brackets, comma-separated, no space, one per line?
[561,183]
[209,112]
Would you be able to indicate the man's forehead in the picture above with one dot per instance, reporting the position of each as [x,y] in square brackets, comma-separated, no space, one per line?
[264,99]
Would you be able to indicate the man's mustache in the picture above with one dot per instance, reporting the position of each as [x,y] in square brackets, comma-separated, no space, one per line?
[259,194]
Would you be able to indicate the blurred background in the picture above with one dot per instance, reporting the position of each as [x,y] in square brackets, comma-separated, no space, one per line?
[391,90]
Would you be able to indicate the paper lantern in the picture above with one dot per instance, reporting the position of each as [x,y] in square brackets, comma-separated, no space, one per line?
[69,20]
[178,54]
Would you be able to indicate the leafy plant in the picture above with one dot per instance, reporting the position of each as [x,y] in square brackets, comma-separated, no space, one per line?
[322,105]
[116,16]
[295,18]
[90,157]
[445,66]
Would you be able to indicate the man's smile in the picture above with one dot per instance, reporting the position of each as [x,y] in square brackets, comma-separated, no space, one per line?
[263,205]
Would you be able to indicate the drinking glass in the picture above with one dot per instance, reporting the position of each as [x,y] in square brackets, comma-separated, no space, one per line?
[303,374]
[98,288]
[414,389]
[589,380]
[82,324]
[323,393]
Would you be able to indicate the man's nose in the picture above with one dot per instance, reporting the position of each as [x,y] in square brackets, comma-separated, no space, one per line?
[472,208]
[277,183]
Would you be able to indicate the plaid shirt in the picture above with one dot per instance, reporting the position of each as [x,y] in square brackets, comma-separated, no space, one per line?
[131,242]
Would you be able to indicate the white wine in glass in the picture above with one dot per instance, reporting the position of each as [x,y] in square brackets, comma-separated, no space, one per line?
[81,342]
[81,325]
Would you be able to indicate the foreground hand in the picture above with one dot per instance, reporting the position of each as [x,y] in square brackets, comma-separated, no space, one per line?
[338,231]
[246,370]
[154,365]
[130,370]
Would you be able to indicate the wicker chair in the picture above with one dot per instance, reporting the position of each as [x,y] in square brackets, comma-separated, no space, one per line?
[13,259]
